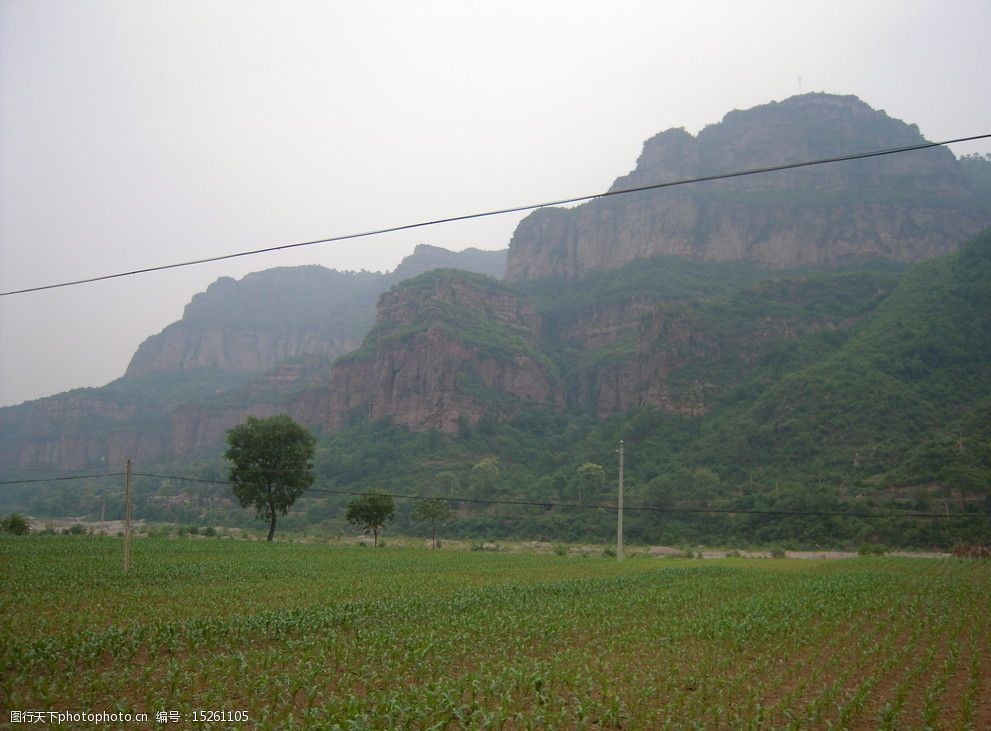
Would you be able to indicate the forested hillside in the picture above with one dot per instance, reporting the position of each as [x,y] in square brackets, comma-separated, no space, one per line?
[873,394]
[838,391]
[818,339]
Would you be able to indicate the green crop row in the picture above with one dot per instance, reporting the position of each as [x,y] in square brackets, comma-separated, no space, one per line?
[309,636]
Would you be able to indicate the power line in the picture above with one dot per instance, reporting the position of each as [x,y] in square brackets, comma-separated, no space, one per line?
[61,479]
[654,509]
[602,506]
[548,504]
[501,211]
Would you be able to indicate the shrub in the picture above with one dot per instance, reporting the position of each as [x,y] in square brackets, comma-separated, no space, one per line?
[609,553]
[209,531]
[777,552]
[872,549]
[76,529]
[561,549]
[15,523]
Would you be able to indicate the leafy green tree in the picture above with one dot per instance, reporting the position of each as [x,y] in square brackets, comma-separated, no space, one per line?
[592,477]
[270,464]
[434,510]
[15,523]
[372,510]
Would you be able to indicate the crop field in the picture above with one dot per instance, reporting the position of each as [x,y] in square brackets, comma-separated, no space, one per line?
[313,636]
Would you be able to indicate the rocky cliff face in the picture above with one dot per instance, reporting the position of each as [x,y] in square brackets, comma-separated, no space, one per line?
[903,207]
[78,431]
[297,388]
[249,326]
[445,349]
[283,326]
[426,258]
[684,356]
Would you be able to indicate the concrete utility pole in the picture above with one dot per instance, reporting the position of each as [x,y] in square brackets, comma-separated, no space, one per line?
[619,512]
[127,519]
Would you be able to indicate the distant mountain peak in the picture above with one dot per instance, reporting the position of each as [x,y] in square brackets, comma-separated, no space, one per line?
[903,207]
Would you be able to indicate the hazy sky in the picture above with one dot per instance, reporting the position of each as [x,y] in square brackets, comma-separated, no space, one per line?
[141,133]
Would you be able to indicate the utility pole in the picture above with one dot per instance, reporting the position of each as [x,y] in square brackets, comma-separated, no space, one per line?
[619,512]
[127,519]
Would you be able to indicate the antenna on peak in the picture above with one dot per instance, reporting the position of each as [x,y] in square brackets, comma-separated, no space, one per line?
[799,84]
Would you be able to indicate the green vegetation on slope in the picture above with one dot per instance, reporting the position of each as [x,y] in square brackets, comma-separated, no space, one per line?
[921,361]
[857,390]
[823,418]
[470,325]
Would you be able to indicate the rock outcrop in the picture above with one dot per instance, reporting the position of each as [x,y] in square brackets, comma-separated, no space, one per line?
[446,349]
[297,388]
[78,430]
[251,325]
[903,207]
[426,257]
[683,356]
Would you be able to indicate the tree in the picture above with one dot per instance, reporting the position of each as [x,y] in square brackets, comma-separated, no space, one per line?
[271,464]
[434,510]
[372,510]
[15,523]
[592,477]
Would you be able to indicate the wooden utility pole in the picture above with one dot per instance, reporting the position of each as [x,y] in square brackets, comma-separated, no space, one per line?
[127,519]
[619,512]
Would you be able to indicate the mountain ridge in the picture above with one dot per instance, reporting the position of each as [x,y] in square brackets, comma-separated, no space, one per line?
[905,207]
[729,371]
[233,332]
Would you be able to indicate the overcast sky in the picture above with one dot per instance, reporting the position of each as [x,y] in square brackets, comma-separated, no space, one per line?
[141,133]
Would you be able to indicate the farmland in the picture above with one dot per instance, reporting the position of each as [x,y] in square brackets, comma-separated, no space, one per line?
[313,636]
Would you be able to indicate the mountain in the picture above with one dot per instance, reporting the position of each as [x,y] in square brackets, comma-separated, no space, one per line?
[918,368]
[241,347]
[447,347]
[249,326]
[904,207]
[863,389]
[425,258]
[815,338]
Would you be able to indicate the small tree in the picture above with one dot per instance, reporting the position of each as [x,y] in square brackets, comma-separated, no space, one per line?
[15,523]
[436,511]
[271,464]
[372,510]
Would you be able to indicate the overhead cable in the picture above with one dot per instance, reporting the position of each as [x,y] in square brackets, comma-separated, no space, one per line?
[549,504]
[499,212]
